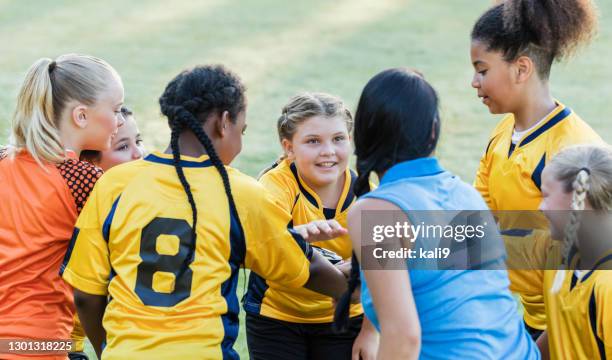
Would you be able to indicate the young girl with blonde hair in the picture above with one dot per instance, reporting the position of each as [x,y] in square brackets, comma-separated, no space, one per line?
[577,199]
[311,181]
[64,106]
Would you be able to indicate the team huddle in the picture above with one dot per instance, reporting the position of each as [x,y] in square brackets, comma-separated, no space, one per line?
[140,252]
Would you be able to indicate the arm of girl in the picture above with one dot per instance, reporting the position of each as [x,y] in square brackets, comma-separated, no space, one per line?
[325,278]
[91,310]
[542,343]
[366,343]
[481,183]
[400,330]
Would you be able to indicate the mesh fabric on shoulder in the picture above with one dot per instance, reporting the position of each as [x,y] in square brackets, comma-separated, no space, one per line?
[80,177]
[3,153]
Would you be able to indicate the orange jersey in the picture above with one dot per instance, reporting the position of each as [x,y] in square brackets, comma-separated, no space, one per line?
[37,216]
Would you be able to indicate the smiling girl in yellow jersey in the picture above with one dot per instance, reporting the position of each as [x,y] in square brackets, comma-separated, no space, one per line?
[312,182]
[513,46]
[155,276]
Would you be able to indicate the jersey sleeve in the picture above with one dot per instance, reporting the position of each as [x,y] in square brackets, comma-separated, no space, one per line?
[603,318]
[274,252]
[86,265]
[80,176]
[280,190]
[481,182]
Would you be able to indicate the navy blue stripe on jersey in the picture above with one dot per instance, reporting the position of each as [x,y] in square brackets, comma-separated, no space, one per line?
[113,273]
[536,176]
[308,195]
[552,122]
[517,232]
[109,220]
[254,297]
[228,288]
[574,280]
[304,246]
[297,197]
[329,213]
[237,242]
[75,234]
[597,264]
[489,145]
[511,150]
[183,163]
[593,320]
[350,196]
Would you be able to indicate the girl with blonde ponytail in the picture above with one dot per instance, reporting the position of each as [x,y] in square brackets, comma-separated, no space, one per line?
[578,302]
[64,106]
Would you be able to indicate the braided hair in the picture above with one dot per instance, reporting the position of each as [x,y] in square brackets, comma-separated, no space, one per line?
[396,120]
[543,30]
[186,102]
[586,172]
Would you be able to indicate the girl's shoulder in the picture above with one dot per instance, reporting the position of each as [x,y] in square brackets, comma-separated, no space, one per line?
[80,177]
[572,131]
[280,170]
[283,177]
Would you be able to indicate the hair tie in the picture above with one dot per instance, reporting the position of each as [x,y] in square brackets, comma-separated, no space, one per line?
[585,169]
[52,66]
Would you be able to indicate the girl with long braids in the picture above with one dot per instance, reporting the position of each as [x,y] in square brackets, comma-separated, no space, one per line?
[311,181]
[514,45]
[578,296]
[425,314]
[155,275]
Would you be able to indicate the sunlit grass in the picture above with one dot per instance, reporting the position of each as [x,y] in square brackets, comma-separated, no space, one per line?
[280,48]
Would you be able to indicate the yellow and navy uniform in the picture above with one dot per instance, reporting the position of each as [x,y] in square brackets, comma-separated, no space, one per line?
[269,298]
[509,178]
[170,296]
[579,316]
[532,250]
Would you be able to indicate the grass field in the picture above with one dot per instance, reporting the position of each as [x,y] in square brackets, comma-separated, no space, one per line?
[280,48]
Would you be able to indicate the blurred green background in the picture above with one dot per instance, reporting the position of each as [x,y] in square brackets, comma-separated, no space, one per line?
[280,48]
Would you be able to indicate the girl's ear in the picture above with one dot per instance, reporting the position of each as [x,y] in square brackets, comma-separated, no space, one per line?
[524,69]
[79,116]
[288,149]
[223,123]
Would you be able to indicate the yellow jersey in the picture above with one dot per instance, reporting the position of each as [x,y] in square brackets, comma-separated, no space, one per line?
[300,305]
[509,178]
[579,316]
[170,296]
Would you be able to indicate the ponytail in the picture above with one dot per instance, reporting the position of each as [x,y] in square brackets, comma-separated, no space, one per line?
[34,125]
[570,247]
[586,172]
[544,30]
[49,86]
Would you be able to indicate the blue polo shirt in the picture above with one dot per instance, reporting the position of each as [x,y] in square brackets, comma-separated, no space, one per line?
[464,314]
